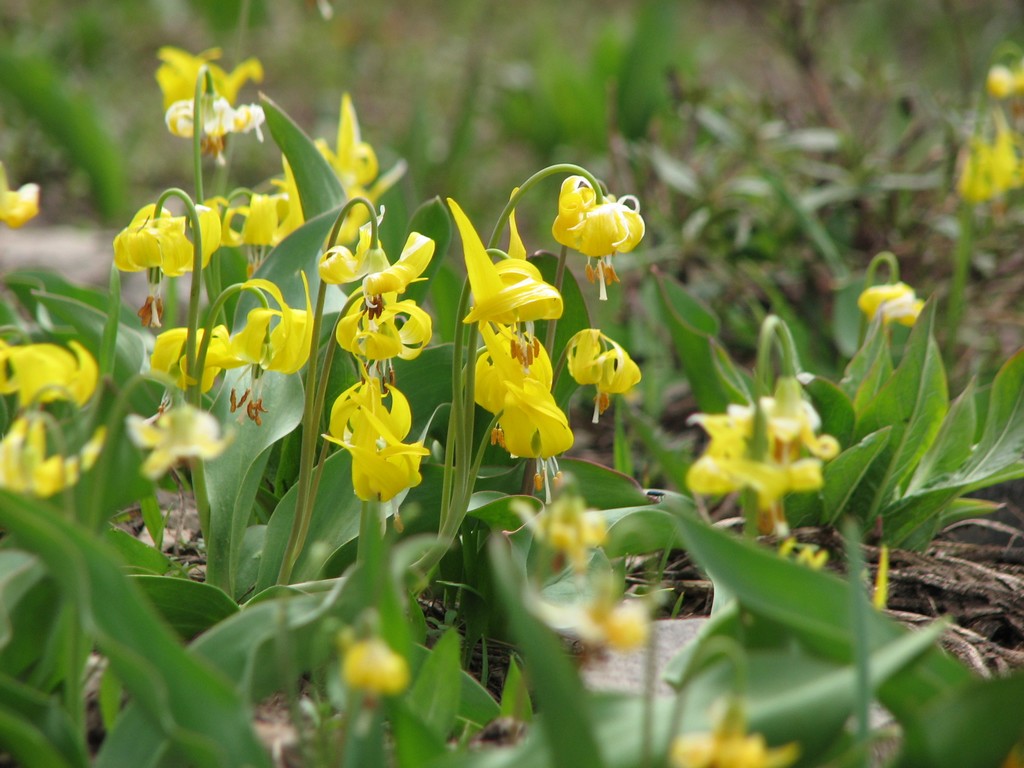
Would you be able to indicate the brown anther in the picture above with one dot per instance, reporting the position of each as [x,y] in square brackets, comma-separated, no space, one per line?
[391,376]
[212,145]
[557,479]
[152,312]
[513,348]
[590,273]
[536,347]
[603,401]
[374,306]
[399,525]
[254,409]
[238,403]
[498,437]
[538,482]
[609,274]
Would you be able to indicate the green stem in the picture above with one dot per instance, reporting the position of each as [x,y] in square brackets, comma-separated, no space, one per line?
[961,266]
[204,85]
[108,345]
[310,423]
[540,175]
[774,331]
[860,611]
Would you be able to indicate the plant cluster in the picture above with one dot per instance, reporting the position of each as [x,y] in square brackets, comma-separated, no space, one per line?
[368,426]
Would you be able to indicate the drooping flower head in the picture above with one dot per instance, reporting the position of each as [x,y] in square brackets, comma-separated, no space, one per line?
[159,244]
[991,167]
[729,744]
[179,70]
[530,425]
[892,301]
[594,358]
[372,668]
[175,435]
[26,466]
[41,373]
[219,119]
[372,432]
[511,292]
[273,339]
[792,457]
[598,230]
[169,355]
[17,206]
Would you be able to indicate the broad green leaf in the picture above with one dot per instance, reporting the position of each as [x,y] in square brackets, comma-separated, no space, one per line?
[234,477]
[500,511]
[952,446]
[601,487]
[433,696]
[693,329]
[25,282]
[973,724]
[872,363]
[515,696]
[138,556]
[1002,441]
[567,724]
[319,188]
[476,705]
[845,473]
[913,402]
[334,523]
[433,220]
[834,408]
[35,729]
[639,530]
[190,607]
[814,607]
[29,610]
[415,743]
[164,680]
[426,381]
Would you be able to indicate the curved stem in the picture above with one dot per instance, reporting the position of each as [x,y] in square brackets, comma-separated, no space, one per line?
[774,331]
[526,185]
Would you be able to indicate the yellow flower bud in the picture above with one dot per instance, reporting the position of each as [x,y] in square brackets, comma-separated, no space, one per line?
[372,667]
[1000,82]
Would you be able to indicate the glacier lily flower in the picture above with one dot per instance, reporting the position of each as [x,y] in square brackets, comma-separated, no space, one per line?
[355,164]
[729,744]
[893,301]
[179,70]
[169,355]
[272,340]
[511,292]
[42,373]
[598,230]
[17,206]
[26,468]
[175,435]
[382,465]
[594,358]
[219,119]
[371,667]
[395,329]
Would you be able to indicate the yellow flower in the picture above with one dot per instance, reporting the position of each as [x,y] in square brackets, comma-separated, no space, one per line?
[598,230]
[219,119]
[169,355]
[727,464]
[397,277]
[372,667]
[42,373]
[26,468]
[511,292]
[17,205]
[355,164]
[179,71]
[531,425]
[180,433]
[285,346]
[594,358]
[569,528]
[401,329]
[340,266]
[991,168]
[730,746]
[382,465]
[895,301]
[1000,82]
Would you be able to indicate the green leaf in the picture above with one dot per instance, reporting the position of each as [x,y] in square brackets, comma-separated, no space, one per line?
[813,607]
[952,446]
[35,730]
[499,510]
[844,474]
[190,607]
[973,724]
[834,407]
[234,477]
[515,696]
[1002,440]
[913,402]
[30,604]
[575,318]
[163,679]
[693,329]
[567,724]
[433,220]
[137,555]
[415,743]
[319,188]
[639,530]
[870,365]
[333,524]
[641,87]
[601,487]
[433,696]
